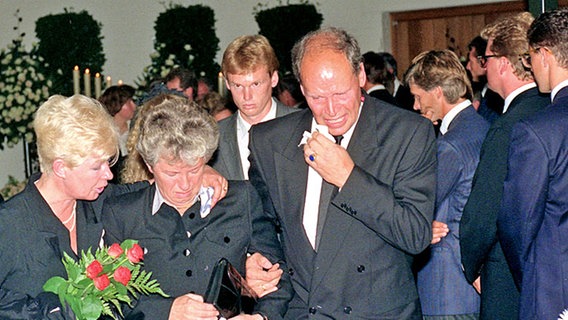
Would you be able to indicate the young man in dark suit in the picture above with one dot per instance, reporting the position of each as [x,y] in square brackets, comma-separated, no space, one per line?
[351,214]
[481,252]
[533,229]
[250,68]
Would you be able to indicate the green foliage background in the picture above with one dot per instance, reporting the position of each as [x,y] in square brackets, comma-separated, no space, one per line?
[176,28]
[286,24]
[66,40]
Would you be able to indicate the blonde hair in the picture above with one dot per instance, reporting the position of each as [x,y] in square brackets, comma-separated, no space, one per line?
[431,69]
[247,54]
[509,35]
[73,129]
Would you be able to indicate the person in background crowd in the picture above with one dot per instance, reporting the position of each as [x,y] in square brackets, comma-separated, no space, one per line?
[182,80]
[203,88]
[118,101]
[441,90]
[532,224]
[401,93]
[288,92]
[481,251]
[378,77]
[216,106]
[490,104]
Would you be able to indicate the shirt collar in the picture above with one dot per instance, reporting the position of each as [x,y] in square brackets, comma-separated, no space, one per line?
[449,117]
[515,93]
[558,88]
[376,87]
[205,195]
[244,126]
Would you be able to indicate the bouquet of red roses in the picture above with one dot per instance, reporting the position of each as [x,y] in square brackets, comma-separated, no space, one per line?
[98,283]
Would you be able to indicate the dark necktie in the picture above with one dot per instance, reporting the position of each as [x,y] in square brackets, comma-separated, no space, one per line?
[328,191]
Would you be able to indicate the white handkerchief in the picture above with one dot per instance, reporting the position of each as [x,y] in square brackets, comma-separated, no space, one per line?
[319,128]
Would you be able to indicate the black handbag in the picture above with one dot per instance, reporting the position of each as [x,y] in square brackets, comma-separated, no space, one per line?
[226,289]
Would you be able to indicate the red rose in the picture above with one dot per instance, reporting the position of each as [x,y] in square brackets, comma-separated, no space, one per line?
[135,254]
[115,250]
[102,282]
[94,269]
[122,275]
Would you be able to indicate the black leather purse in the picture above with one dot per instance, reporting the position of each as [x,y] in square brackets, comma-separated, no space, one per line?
[227,288]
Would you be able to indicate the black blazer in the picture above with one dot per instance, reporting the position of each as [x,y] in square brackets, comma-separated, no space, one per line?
[480,249]
[182,262]
[381,217]
[32,242]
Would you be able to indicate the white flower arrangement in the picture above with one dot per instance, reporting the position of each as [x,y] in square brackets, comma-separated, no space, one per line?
[22,89]
[162,63]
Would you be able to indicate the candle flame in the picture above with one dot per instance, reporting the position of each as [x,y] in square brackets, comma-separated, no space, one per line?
[87,71]
[76,68]
[97,75]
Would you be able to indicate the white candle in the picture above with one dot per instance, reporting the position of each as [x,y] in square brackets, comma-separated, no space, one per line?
[108,82]
[76,86]
[97,85]
[87,79]
[221,84]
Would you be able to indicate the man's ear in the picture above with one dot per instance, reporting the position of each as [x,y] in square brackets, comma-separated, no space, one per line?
[189,93]
[362,76]
[274,79]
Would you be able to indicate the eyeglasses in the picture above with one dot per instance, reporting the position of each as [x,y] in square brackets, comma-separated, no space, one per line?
[483,59]
[526,57]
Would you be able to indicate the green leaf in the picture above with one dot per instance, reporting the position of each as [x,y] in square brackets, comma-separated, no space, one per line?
[53,284]
[91,307]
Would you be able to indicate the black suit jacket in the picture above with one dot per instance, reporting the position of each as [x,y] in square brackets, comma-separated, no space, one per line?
[32,242]
[383,94]
[182,262]
[480,249]
[381,217]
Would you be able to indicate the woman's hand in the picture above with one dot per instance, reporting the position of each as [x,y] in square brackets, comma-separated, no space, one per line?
[190,307]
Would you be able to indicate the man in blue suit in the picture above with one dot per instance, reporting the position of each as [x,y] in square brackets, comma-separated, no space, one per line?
[533,224]
[481,252]
[442,90]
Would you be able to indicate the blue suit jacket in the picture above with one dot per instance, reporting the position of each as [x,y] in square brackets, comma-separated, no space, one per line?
[533,224]
[441,282]
[481,251]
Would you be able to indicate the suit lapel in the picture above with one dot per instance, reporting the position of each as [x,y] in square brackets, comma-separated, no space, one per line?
[292,176]
[361,148]
[231,155]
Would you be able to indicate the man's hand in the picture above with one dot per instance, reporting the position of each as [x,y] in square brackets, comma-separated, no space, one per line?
[439,230]
[191,306]
[261,275]
[477,285]
[330,160]
[212,178]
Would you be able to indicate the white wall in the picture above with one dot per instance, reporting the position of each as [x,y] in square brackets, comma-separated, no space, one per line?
[128,30]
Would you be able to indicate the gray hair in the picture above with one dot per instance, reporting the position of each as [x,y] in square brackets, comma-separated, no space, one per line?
[327,38]
[177,130]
